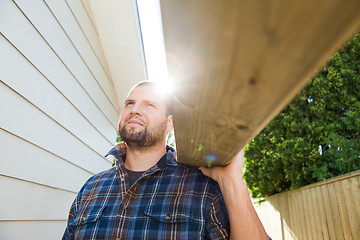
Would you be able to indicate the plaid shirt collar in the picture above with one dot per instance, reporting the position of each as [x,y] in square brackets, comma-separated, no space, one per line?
[120,157]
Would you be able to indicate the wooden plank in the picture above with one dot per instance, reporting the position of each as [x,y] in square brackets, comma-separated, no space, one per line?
[294,207]
[32,230]
[302,226]
[355,190]
[315,211]
[28,41]
[354,217]
[307,216]
[237,64]
[285,216]
[46,168]
[32,201]
[39,91]
[311,215]
[322,216]
[342,210]
[329,212]
[293,214]
[339,233]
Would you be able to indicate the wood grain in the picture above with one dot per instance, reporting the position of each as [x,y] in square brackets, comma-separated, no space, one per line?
[350,208]
[326,210]
[237,63]
[322,216]
[338,225]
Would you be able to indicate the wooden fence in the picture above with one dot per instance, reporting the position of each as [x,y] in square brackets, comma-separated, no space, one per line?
[324,210]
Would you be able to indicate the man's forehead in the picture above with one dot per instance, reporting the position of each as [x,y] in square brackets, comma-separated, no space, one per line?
[145,93]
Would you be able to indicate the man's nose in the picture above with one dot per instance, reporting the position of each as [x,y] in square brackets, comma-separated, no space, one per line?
[137,110]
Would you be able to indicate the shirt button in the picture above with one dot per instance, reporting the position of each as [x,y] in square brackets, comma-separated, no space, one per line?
[167,217]
[122,179]
[125,206]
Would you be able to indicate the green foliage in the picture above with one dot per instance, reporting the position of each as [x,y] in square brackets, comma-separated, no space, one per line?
[118,138]
[170,139]
[316,137]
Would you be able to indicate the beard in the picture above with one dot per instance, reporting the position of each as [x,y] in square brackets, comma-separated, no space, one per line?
[144,138]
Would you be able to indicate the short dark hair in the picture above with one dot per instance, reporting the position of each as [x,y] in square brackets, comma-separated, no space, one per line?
[155,85]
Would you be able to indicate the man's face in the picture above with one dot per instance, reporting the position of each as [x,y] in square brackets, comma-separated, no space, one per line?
[143,122]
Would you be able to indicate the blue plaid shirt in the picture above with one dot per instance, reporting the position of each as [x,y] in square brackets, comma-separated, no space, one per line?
[169,201]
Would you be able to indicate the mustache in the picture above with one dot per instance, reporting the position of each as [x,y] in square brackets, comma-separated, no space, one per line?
[135,118]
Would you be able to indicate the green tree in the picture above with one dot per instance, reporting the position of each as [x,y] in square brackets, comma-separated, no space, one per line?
[316,137]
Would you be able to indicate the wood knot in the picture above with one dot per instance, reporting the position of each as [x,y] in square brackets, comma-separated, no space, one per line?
[242,127]
[252,81]
[221,122]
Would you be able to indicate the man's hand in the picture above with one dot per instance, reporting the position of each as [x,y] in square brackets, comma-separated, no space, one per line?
[232,172]
[244,222]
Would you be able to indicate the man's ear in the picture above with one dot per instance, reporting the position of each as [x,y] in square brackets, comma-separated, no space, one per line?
[170,124]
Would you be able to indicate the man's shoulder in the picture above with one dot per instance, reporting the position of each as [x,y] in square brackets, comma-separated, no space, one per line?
[101,177]
[193,176]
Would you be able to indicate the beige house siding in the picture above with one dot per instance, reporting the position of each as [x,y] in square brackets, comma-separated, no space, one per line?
[58,113]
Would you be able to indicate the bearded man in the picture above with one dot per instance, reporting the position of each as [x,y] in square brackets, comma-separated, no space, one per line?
[149,195]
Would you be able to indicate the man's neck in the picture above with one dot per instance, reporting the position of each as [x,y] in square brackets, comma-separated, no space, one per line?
[142,160]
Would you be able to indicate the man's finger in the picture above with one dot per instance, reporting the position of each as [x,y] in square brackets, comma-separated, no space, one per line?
[205,171]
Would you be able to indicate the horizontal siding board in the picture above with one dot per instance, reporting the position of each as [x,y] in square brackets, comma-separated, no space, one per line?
[21,200]
[64,16]
[89,12]
[83,18]
[25,38]
[73,48]
[23,119]
[39,230]
[37,89]
[19,156]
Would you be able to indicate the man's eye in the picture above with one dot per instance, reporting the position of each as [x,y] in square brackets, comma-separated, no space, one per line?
[151,105]
[129,103]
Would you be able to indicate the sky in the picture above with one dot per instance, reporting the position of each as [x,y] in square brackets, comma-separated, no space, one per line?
[153,39]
